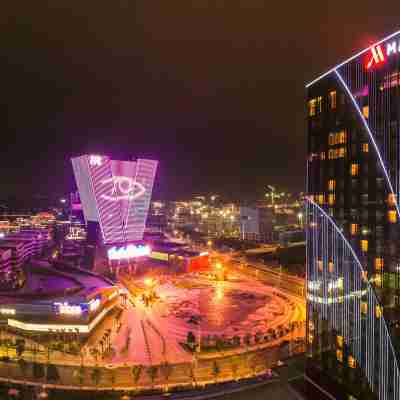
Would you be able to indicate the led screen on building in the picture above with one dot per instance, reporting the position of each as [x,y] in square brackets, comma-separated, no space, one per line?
[116,194]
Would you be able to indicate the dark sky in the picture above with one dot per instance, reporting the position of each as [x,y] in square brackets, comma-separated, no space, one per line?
[213,89]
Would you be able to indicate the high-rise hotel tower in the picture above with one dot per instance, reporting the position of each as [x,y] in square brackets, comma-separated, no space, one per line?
[353,226]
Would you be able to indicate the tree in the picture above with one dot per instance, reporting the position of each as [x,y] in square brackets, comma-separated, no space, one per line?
[166,370]
[215,370]
[191,339]
[234,368]
[23,366]
[38,371]
[79,374]
[247,339]
[96,375]
[136,372]
[52,373]
[152,372]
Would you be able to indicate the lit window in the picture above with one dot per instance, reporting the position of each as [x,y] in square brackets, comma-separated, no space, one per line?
[319,104]
[320,265]
[330,267]
[378,280]
[365,147]
[339,355]
[364,276]
[331,184]
[341,152]
[364,245]
[364,307]
[321,199]
[379,263]
[341,137]
[331,154]
[392,199]
[354,169]
[392,216]
[378,311]
[332,97]
[352,362]
[354,229]
[312,110]
[311,325]
[322,155]
[310,338]
[365,111]
[331,199]
[339,341]
[331,139]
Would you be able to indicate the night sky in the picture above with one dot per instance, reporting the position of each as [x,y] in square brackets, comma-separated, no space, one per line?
[213,89]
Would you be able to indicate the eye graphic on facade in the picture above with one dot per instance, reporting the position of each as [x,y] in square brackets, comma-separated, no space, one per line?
[123,188]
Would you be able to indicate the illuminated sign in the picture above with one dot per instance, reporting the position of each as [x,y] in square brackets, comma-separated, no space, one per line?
[159,256]
[7,311]
[380,52]
[94,304]
[116,194]
[123,189]
[65,308]
[127,252]
[95,160]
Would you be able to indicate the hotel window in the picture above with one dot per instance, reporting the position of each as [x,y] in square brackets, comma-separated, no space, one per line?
[364,307]
[339,341]
[320,265]
[392,216]
[332,97]
[354,168]
[319,104]
[365,112]
[342,152]
[342,137]
[391,199]
[331,199]
[312,107]
[378,311]
[339,355]
[352,362]
[364,276]
[331,184]
[378,264]
[378,280]
[354,229]
[331,139]
[364,245]
[310,338]
[321,199]
[365,148]
[322,156]
[331,267]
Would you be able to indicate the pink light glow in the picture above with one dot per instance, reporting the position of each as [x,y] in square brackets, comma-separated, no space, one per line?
[127,252]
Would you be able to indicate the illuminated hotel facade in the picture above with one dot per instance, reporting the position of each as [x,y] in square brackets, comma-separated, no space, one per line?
[353,217]
[116,196]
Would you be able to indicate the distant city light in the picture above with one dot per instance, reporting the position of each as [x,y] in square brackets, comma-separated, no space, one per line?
[63,201]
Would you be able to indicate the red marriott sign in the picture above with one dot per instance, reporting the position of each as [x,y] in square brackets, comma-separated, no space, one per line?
[380,52]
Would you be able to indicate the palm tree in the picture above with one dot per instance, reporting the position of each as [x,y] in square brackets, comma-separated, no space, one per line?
[96,376]
[216,370]
[166,370]
[152,372]
[136,372]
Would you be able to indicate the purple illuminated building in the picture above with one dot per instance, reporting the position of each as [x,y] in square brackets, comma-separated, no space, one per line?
[115,195]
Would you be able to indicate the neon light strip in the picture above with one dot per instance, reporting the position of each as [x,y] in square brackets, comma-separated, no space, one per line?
[47,327]
[371,136]
[351,58]
[337,229]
